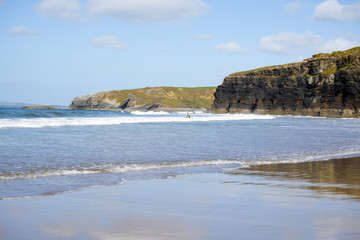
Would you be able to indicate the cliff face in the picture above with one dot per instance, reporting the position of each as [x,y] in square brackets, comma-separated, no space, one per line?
[148,99]
[324,85]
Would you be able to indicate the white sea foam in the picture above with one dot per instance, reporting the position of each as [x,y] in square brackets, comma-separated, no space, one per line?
[191,112]
[149,113]
[112,168]
[309,158]
[125,168]
[92,121]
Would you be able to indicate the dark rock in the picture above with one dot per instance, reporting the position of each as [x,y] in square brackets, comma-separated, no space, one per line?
[325,85]
[39,107]
[124,104]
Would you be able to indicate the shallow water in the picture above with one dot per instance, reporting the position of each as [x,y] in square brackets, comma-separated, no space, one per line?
[338,178]
[277,201]
[47,152]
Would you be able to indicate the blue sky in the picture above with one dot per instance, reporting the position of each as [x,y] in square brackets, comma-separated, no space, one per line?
[55,50]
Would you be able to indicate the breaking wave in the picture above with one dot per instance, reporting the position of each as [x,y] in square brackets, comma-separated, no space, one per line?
[126,168]
[112,168]
[149,113]
[92,121]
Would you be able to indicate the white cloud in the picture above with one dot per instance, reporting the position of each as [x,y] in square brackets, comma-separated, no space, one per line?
[298,59]
[203,37]
[332,10]
[22,30]
[293,7]
[288,42]
[230,47]
[141,11]
[338,44]
[62,9]
[110,42]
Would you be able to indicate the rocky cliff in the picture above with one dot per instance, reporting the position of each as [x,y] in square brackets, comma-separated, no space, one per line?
[324,85]
[156,98]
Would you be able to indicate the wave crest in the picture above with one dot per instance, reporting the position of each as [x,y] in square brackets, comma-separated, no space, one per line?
[112,168]
[92,121]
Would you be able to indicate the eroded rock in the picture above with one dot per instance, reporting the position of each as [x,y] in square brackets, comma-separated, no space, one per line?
[324,85]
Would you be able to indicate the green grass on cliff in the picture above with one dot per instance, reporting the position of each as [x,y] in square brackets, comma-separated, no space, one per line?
[167,97]
[266,68]
[353,52]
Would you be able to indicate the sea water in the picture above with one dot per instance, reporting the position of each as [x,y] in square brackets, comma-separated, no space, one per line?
[47,152]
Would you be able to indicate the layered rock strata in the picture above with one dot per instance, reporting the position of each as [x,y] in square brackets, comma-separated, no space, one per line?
[324,85]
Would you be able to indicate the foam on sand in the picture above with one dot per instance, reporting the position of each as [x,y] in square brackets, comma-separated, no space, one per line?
[113,168]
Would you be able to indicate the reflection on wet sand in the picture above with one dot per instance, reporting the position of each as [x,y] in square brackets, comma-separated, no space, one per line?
[262,202]
[133,227]
[140,228]
[337,176]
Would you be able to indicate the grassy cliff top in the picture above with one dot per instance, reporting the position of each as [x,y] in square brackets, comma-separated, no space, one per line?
[266,68]
[353,51]
[167,97]
[338,54]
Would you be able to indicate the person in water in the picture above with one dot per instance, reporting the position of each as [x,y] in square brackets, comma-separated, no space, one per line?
[188,115]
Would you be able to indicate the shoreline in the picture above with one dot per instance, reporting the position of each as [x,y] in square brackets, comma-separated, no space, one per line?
[263,167]
[345,113]
[308,200]
[148,110]
[219,111]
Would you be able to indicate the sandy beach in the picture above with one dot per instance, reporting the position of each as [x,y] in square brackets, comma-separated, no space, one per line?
[312,200]
[179,120]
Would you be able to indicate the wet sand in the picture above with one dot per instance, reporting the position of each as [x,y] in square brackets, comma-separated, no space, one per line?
[314,200]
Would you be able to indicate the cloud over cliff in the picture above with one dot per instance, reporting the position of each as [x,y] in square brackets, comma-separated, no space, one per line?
[289,42]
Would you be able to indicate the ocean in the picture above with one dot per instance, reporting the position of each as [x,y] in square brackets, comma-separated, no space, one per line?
[51,152]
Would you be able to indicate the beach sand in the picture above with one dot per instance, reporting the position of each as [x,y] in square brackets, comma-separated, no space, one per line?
[313,200]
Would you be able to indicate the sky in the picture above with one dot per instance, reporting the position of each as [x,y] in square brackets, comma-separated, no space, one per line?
[54,50]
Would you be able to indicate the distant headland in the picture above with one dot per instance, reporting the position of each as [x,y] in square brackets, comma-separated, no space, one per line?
[328,84]
[149,98]
[39,107]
